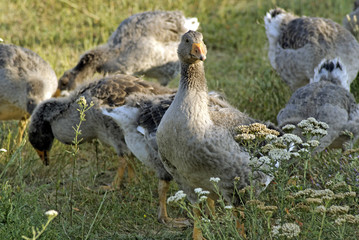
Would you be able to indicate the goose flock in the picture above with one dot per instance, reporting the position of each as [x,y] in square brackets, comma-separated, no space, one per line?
[185,134]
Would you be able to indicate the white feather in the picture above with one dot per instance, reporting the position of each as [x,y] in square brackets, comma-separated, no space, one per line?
[337,73]
[191,24]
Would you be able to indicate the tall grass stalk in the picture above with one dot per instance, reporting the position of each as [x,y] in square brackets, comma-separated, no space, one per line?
[83,107]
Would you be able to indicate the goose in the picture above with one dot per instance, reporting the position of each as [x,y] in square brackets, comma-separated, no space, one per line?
[55,118]
[196,142]
[25,81]
[298,44]
[327,99]
[350,21]
[139,119]
[143,44]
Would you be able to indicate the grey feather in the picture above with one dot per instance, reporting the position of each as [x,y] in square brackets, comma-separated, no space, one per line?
[196,141]
[25,80]
[143,44]
[298,44]
[55,118]
[326,100]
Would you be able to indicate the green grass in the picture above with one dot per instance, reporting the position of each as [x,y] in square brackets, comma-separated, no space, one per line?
[236,64]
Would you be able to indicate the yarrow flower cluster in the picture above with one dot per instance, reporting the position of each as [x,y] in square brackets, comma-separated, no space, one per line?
[201,194]
[215,179]
[81,101]
[178,196]
[254,131]
[51,213]
[347,218]
[311,126]
[288,230]
[288,127]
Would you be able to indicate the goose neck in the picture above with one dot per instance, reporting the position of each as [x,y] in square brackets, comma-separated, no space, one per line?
[193,77]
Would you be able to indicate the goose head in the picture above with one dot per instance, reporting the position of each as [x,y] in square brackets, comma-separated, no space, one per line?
[41,139]
[192,48]
[40,131]
[67,81]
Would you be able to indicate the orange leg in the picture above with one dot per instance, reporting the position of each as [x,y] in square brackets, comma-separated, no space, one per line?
[130,170]
[163,187]
[116,183]
[22,126]
[197,232]
[211,210]
[239,223]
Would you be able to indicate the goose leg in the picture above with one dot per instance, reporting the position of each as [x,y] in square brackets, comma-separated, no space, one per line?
[163,187]
[130,170]
[22,126]
[211,211]
[116,183]
[239,223]
[197,232]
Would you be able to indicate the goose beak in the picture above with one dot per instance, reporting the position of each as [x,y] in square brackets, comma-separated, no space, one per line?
[44,155]
[198,50]
[57,93]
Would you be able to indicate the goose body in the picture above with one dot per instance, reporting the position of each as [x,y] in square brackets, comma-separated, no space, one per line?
[56,117]
[143,44]
[139,120]
[327,99]
[196,142]
[298,44]
[25,80]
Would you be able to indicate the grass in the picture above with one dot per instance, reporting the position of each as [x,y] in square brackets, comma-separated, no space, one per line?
[236,64]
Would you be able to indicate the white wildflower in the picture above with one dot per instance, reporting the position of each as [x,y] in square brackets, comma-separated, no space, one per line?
[178,196]
[228,207]
[3,150]
[340,185]
[215,179]
[303,150]
[320,209]
[323,125]
[295,154]
[198,190]
[340,221]
[322,193]
[81,101]
[1,40]
[288,230]
[275,230]
[313,143]
[314,200]
[338,209]
[350,194]
[288,127]
[279,154]
[288,137]
[264,159]
[203,198]
[206,220]
[51,213]
[305,145]
[319,132]
[270,137]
